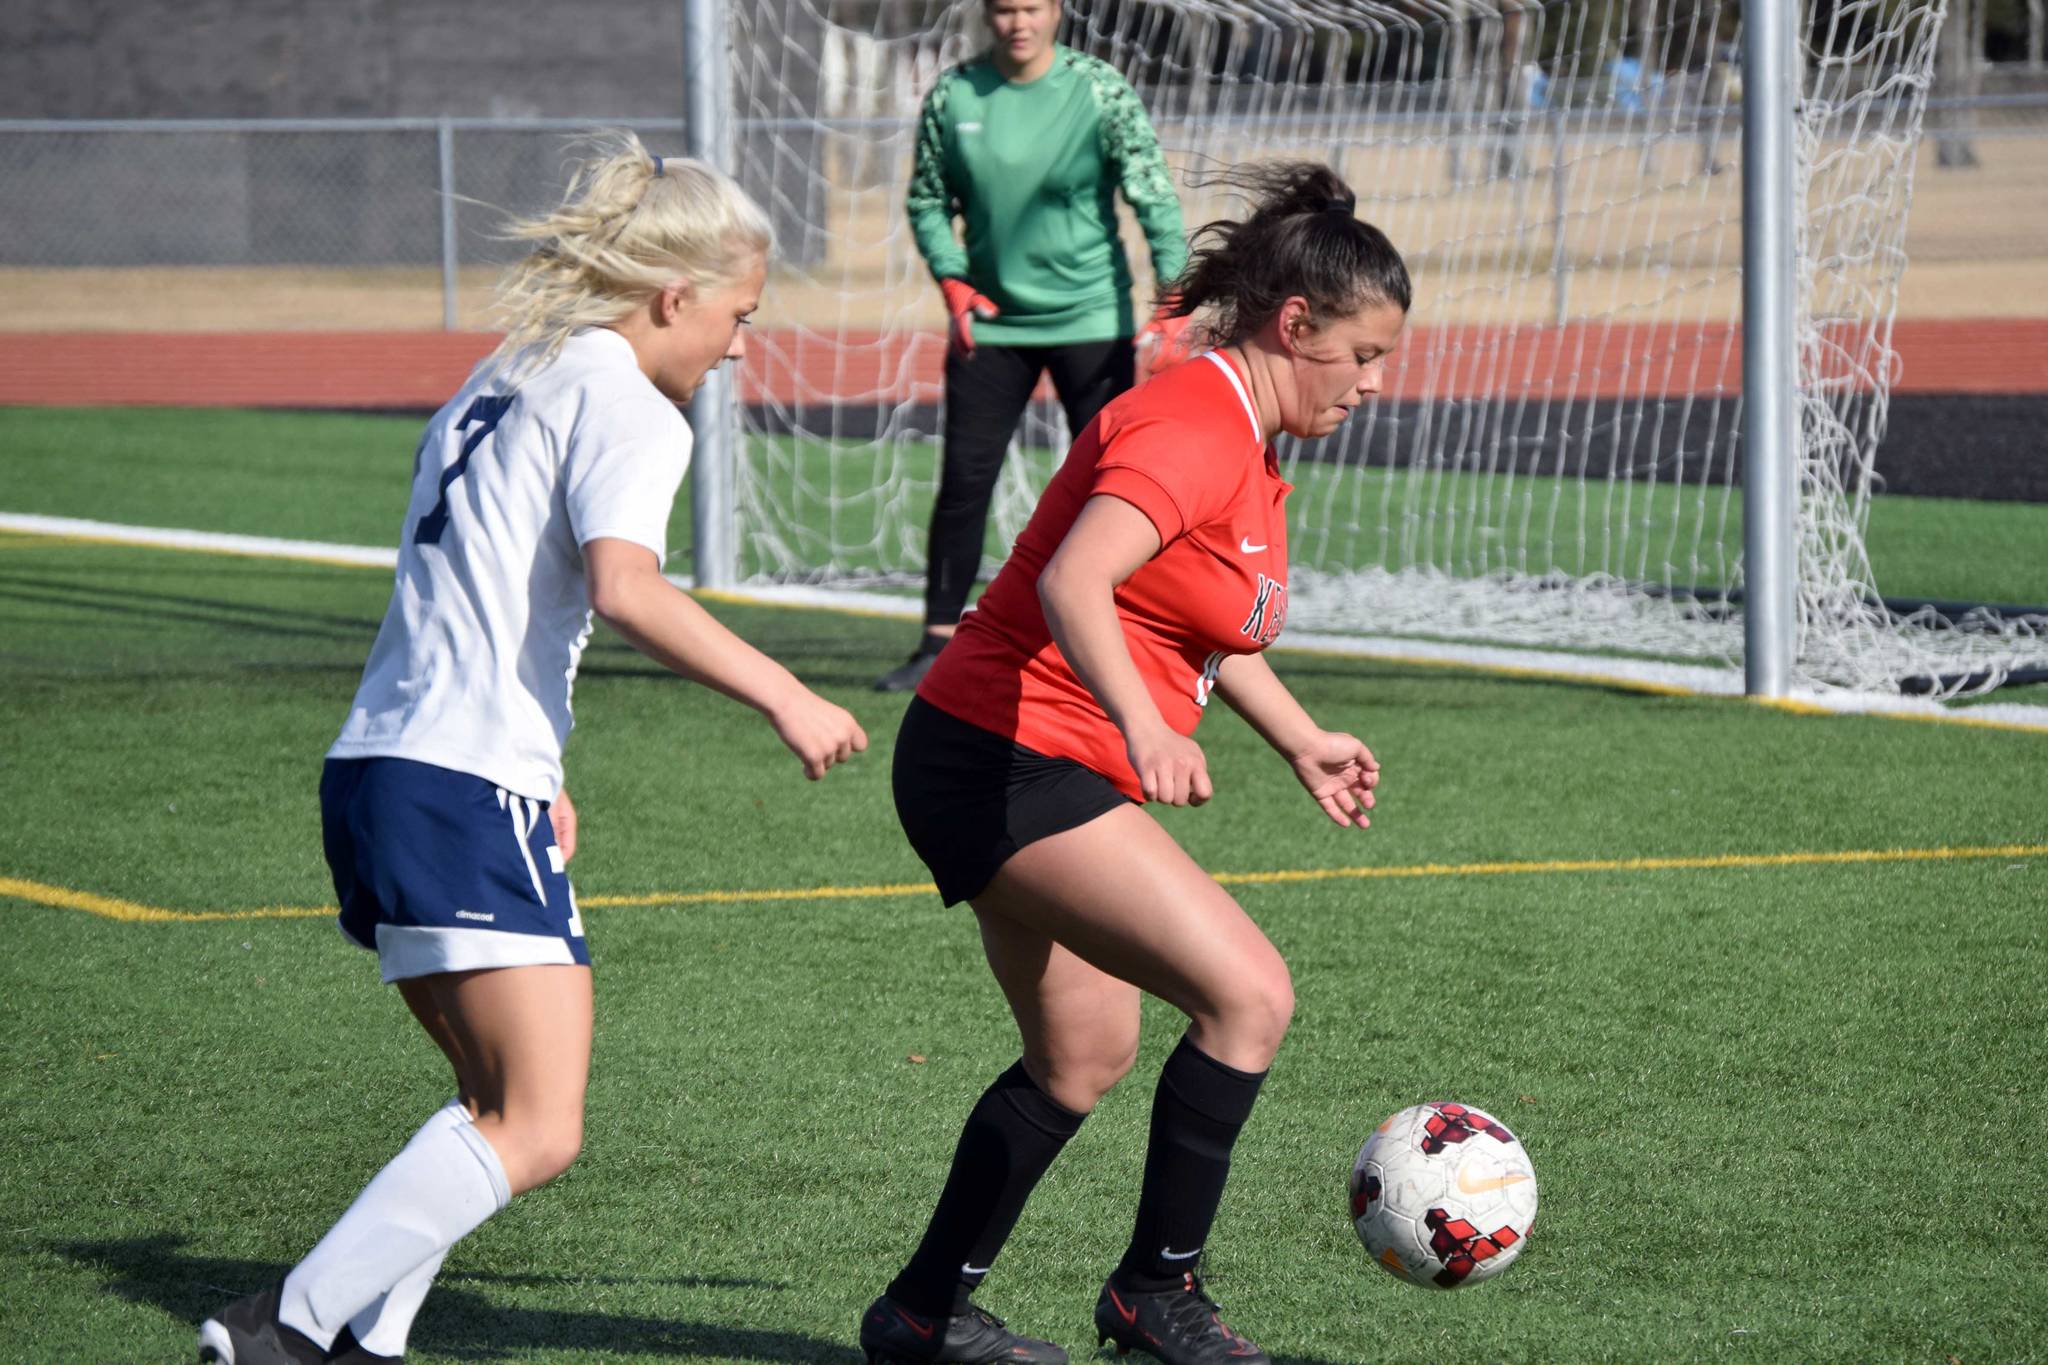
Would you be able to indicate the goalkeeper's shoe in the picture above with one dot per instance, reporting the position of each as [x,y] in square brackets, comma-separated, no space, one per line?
[247,1332]
[907,675]
[891,1334]
[1178,1326]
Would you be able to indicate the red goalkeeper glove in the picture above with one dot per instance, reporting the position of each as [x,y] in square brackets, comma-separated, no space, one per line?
[1163,341]
[965,303]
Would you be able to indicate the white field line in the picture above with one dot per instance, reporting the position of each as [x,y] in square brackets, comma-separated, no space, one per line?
[207,542]
[1669,679]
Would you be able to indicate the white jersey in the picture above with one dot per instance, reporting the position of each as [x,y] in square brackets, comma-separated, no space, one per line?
[473,666]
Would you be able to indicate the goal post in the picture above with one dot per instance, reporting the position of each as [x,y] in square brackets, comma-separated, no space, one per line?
[714,416]
[1571,454]
[1770,431]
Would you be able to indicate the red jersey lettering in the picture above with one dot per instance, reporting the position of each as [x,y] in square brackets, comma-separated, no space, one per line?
[1269,612]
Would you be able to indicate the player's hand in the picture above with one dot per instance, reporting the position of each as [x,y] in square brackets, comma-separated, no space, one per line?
[1162,343]
[1340,773]
[964,303]
[562,816]
[1171,768]
[819,733]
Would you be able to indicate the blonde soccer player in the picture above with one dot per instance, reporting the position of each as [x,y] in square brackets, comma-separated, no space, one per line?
[541,495]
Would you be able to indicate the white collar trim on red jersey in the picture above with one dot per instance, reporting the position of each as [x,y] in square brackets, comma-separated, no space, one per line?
[1230,372]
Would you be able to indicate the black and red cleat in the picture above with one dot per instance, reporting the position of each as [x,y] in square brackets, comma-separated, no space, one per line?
[1180,1326]
[346,1350]
[247,1332]
[891,1334]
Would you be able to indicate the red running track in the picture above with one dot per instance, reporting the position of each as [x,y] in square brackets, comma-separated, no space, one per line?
[419,370]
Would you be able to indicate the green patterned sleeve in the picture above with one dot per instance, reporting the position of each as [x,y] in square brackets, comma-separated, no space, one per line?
[1131,148]
[931,201]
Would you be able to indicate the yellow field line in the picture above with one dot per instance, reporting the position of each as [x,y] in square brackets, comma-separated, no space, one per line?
[108,907]
[41,893]
[1713,862]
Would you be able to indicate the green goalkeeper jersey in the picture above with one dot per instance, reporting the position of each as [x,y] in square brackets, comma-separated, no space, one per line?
[1033,171]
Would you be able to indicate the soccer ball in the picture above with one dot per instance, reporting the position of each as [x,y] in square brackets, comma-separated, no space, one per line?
[1443,1195]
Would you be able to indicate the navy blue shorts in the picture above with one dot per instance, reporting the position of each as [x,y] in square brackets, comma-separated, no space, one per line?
[440,871]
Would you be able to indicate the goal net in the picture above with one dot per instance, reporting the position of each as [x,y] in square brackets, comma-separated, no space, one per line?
[1556,462]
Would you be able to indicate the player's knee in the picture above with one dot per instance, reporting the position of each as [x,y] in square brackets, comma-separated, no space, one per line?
[554,1150]
[1079,1077]
[534,1150]
[1259,1009]
[1280,1005]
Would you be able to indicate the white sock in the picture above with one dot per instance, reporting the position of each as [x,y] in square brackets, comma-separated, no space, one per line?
[382,1328]
[445,1182]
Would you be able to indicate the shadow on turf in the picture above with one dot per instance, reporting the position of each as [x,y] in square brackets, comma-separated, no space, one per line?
[122,599]
[458,1321]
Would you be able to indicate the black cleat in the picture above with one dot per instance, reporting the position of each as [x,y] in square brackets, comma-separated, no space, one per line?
[247,1332]
[346,1350]
[907,675]
[891,1334]
[1175,1326]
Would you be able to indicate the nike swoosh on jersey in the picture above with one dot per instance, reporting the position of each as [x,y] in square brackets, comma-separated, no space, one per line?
[1246,545]
[1499,1182]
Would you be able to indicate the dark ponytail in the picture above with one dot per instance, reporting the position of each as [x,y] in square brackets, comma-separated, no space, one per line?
[1300,238]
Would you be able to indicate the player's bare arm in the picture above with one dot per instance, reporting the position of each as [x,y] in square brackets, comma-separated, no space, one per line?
[1108,542]
[629,594]
[1335,768]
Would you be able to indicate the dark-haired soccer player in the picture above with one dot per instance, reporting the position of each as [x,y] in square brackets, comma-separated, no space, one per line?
[1148,581]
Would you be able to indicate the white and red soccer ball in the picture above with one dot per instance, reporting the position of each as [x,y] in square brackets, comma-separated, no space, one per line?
[1443,1195]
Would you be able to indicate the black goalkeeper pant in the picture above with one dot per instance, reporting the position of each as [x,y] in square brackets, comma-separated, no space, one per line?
[986,394]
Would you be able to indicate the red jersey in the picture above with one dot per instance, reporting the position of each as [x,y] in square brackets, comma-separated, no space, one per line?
[1186,450]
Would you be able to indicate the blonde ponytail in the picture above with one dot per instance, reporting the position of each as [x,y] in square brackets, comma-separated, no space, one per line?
[629,225]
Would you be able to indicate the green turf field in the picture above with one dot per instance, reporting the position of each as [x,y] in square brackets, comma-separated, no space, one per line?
[1778,1110]
[343,478]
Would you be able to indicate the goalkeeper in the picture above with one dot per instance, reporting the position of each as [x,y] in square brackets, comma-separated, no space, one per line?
[1028,144]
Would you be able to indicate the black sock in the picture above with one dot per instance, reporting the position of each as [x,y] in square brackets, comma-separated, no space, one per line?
[932,642]
[1196,1114]
[1011,1136]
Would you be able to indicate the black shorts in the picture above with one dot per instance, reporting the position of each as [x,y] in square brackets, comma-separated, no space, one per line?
[969,798]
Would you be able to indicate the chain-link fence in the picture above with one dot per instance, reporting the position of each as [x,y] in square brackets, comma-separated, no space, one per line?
[391,223]
[391,203]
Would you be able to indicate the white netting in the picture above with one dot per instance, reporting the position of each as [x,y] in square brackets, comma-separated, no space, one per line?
[1556,461]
